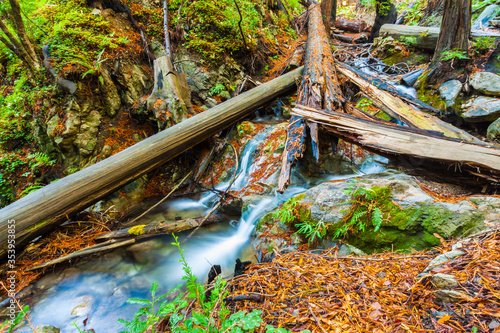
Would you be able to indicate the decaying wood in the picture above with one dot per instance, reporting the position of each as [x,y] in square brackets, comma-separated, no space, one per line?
[319,89]
[345,39]
[350,25]
[404,112]
[388,139]
[171,93]
[422,37]
[43,210]
[157,228]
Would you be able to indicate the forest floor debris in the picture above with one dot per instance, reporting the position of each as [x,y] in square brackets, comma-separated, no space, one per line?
[385,292]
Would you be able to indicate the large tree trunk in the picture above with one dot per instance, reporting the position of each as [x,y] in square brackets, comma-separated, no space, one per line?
[386,13]
[394,140]
[329,13]
[319,89]
[455,28]
[45,209]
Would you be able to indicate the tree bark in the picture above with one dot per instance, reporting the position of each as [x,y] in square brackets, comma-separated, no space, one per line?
[319,89]
[21,33]
[329,13]
[389,139]
[455,28]
[13,44]
[45,209]
[386,13]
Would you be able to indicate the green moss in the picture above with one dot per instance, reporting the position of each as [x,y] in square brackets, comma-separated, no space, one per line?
[38,225]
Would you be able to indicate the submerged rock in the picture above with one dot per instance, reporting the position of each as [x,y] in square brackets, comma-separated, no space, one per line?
[47,329]
[494,130]
[449,92]
[486,82]
[483,109]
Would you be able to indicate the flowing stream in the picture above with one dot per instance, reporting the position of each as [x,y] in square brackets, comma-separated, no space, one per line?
[98,289]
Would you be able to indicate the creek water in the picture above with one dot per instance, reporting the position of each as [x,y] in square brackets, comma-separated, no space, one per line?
[98,289]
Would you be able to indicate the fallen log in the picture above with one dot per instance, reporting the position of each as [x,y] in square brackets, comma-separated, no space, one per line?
[402,111]
[157,228]
[319,89]
[422,37]
[350,25]
[48,207]
[388,139]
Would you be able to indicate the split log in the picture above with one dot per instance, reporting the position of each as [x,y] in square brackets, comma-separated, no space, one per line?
[422,37]
[45,209]
[345,39]
[319,89]
[388,139]
[402,111]
[157,228]
[350,25]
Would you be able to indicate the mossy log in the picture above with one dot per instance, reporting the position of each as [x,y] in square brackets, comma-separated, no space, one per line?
[319,89]
[422,37]
[470,159]
[48,207]
[397,108]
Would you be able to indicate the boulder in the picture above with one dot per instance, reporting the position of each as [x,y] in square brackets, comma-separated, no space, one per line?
[494,130]
[411,217]
[488,13]
[449,92]
[483,109]
[486,82]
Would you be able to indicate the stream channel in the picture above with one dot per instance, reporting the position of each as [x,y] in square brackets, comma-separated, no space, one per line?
[98,289]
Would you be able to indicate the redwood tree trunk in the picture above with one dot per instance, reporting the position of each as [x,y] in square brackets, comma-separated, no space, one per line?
[455,27]
[329,13]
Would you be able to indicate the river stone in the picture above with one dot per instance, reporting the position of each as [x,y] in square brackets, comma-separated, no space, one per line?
[486,82]
[451,296]
[82,306]
[494,131]
[441,280]
[483,109]
[442,259]
[47,329]
[449,92]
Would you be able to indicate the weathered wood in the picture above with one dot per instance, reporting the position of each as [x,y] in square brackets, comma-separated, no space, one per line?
[45,209]
[402,111]
[319,89]
[386,13]
[389,139]
[157,228]
[350,25]
[422,37]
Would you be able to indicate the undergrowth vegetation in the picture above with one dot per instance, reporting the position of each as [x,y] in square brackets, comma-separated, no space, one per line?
[209,312]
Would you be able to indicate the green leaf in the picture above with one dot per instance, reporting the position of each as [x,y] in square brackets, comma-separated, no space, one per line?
[154,288]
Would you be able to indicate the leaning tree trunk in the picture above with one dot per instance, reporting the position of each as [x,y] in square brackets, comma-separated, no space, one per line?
[455,28]
[329,12]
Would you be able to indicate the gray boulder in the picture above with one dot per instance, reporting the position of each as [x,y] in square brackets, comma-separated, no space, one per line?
[483,109]
[488,13]
[494,130]
[449,92]
[486,82]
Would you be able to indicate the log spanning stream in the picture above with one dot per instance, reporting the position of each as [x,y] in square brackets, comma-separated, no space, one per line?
[99,288]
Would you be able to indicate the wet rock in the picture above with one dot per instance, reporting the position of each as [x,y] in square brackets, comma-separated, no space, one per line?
[440,280]
[494,325]
[95,12]
[106,152]
[86,140]
[449,92]
[47,329]
[486,82]
[82,306]
[483,109]
[442,259]
[346,250]
[451,296]
[143,252]
[494,130]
